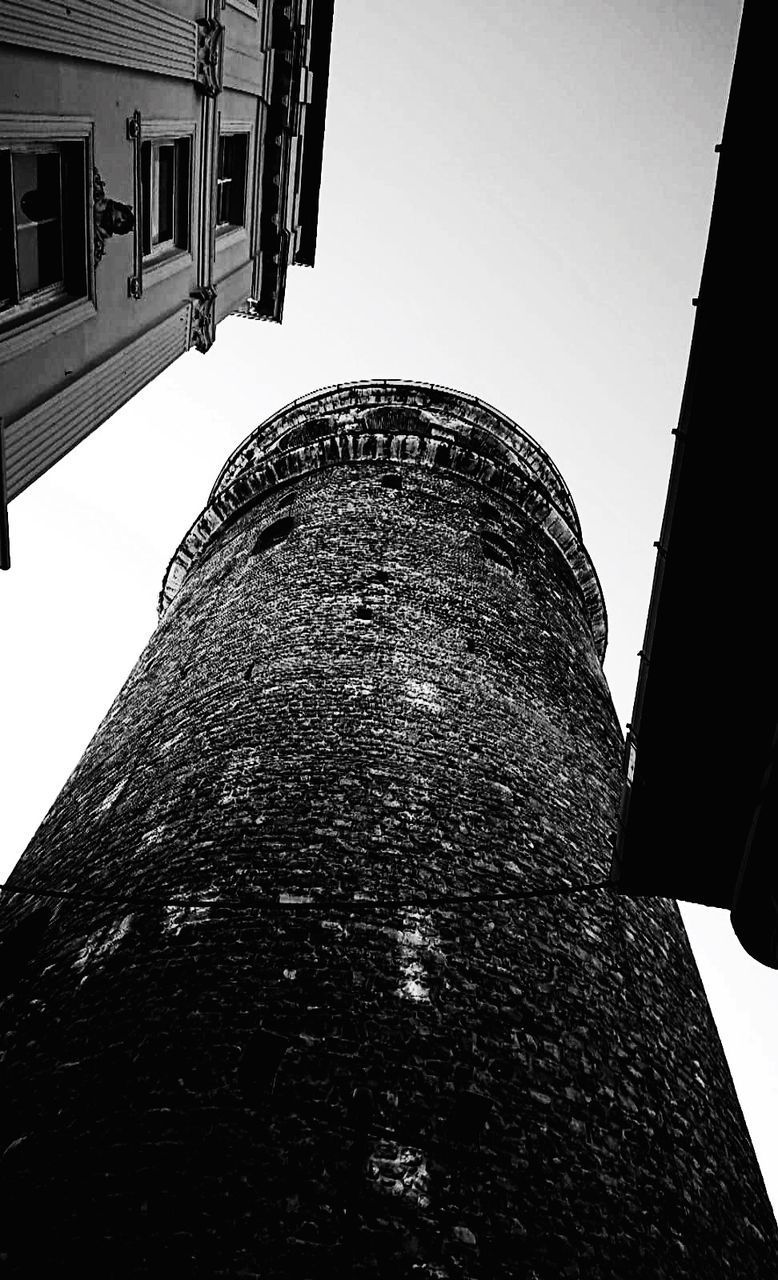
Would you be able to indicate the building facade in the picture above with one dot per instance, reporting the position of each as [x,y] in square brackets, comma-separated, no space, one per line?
[313,968]
[160,167]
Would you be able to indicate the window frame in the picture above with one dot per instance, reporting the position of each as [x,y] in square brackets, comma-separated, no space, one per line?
[251,8]
[229,131]
[55,289]
[180,241]
[52,310]
[156,242]
[160,264]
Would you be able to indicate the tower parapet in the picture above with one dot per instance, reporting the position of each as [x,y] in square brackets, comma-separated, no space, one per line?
[383,421]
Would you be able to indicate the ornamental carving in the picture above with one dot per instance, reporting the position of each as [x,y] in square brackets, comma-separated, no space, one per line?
[110,217]
[203,333]
[210,56]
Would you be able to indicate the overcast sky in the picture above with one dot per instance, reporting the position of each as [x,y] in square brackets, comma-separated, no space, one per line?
[515,203]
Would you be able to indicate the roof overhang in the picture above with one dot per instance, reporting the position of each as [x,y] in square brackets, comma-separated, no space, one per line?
[313,145]
[700,803]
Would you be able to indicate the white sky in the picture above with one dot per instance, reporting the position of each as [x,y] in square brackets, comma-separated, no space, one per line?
[515,203]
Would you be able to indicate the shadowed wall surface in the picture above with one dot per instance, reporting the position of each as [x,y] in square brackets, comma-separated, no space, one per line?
[342,991]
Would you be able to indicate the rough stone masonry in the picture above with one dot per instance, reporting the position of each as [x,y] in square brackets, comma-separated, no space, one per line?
[321,977]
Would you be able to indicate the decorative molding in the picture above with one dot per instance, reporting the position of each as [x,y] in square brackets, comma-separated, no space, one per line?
[466,411]
[236,124]
[205,244]
[109,217]
[215,121]
[257,178]
[202,333]
[291,209]
[128,33]
[268,75]
[348,445]
[185,127]
[24,124]
[135,136]
[38,439]
[249,7]
[210,56]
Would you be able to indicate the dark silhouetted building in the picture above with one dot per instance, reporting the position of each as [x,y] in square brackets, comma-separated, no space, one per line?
[313,969]
[700,803]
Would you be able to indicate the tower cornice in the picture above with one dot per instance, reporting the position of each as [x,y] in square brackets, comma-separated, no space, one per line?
[442,405]
[406,423]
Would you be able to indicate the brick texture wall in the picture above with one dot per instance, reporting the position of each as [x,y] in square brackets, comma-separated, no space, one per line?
[339,994]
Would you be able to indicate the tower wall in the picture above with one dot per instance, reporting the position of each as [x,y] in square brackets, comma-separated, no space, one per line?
[341,991]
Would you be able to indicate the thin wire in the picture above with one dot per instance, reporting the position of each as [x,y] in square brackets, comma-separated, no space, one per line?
[303,898]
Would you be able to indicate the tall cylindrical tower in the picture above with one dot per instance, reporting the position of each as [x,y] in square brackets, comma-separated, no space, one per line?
[311,969]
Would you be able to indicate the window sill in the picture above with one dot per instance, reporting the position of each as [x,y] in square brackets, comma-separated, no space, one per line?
[43,328]
[156,269]
[227,236]
[245,6]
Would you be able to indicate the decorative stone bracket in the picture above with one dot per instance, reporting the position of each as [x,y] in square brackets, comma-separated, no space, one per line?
[210,56]
[203,326]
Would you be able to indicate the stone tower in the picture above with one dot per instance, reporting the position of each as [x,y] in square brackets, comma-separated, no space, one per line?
[321,977]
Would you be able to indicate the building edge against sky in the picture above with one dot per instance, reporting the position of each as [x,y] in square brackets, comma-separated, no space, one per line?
[160,167]
[314,953]
[707,672]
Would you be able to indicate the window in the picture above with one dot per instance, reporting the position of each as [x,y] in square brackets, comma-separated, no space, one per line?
[231,180]
[487,512]
[496,548]
[164,166]
[272,534]
[43,244]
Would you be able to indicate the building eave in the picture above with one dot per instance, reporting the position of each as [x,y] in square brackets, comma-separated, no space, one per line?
[313,142]
[700,744]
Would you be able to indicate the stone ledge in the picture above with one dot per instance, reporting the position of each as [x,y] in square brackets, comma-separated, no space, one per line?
[352,403]
[274,470]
